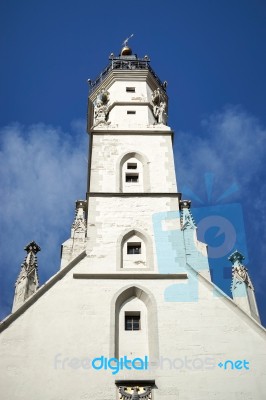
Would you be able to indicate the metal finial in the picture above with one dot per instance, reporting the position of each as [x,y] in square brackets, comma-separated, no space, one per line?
[125,41]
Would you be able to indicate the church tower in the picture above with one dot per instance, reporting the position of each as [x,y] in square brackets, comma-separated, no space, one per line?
[132,187]
[132,313]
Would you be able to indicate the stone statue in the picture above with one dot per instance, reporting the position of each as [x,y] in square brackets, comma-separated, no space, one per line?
[101,108]
[241,271]
[159,106]
[160,113]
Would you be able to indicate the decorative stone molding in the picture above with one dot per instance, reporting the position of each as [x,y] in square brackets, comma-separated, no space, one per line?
[159,106]
[135,392]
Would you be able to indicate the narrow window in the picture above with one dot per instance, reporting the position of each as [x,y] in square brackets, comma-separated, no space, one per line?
[132,321]
[130,89]
[131,165]
[132,177]
[131,112]
[134,248]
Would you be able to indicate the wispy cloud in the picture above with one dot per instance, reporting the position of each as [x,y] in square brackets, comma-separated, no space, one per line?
[43,171]
[232,147]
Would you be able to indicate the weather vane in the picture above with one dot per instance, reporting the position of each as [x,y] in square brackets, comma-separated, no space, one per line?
[125,41]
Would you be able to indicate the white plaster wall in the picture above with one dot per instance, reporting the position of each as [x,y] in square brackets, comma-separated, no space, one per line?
[120,101]
[110,218]
[118,91]
[108,150]
[73,321]
[143,116]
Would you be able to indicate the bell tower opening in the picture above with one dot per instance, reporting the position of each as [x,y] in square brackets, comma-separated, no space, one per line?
[132,176]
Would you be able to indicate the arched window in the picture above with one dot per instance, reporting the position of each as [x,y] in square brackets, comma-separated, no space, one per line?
[133,173]
[132,176]
[134,251]
[134,326]
[133,329]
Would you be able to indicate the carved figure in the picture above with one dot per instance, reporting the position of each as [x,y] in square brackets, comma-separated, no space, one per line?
[162,116]
[241,271]
[159,106]
[101,108]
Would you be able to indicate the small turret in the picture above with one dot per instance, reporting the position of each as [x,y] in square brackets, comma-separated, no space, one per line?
[196,251]
[27,282]
[242,288]
[78,230]
[187,220]
[77,242]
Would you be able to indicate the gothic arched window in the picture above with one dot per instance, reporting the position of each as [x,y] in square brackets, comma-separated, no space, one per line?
[134,305]
[134,251]
[133,173]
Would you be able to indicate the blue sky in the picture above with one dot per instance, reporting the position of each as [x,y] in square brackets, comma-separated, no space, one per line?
[212,53]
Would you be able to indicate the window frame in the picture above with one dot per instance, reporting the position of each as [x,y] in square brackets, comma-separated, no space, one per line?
[132,165]
[132,175]
[134,245]
[134,319]
[131,89]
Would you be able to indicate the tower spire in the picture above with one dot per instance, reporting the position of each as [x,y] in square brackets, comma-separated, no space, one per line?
[242,288]
[27,282]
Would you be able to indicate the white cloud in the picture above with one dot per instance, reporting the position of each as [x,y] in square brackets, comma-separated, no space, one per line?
[232,147]
[43,171]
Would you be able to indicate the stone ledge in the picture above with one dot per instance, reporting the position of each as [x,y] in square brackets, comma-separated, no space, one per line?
[125,194]
[127,275]
[135,382]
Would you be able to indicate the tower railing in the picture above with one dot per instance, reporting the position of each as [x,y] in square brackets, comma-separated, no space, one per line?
[125,64]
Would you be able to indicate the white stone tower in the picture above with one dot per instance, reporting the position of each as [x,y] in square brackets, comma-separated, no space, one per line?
[131,175]
[132,314]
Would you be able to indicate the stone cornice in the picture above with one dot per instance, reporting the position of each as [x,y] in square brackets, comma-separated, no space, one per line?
[124,75]
[127,275]
[120,194]
[149,131]
[135,382]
